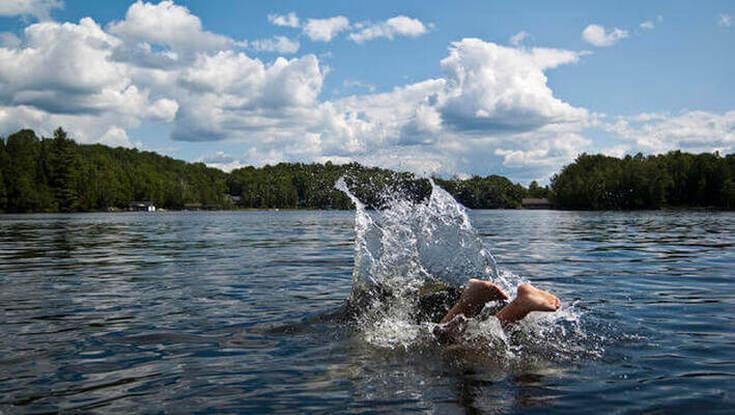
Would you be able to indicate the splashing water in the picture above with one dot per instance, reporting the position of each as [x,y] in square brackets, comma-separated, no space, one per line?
[401,248]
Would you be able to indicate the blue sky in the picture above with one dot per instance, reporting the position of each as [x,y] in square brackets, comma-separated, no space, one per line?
[429,86]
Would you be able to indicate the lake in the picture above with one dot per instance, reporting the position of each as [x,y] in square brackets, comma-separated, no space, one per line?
[235,312]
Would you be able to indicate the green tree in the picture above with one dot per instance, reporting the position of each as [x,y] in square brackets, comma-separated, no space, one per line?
[728,193]
[534,190]
[21,181]
[3,162]
[3,193]
[65,170]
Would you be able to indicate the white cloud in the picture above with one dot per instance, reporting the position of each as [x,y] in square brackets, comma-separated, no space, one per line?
[518,38]
[289,20]
[549,153]
[697,131]
[599,36]
[724,20]
[167,24]
[62,74]
[230,95]
[116,137]
[221,160]
[40,9]
[497,88]
[324,30]
[393,27]
[273,108]
[491,109]
[277,44]
[651,24]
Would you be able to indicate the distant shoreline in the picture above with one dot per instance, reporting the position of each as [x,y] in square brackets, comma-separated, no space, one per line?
[254,210]
[59,175]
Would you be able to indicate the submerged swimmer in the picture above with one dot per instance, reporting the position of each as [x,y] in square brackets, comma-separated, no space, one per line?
[478,293]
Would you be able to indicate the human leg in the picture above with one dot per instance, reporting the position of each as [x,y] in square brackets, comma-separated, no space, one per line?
[474,298]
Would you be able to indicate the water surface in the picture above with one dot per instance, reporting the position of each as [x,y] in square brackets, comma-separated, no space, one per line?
[212,312]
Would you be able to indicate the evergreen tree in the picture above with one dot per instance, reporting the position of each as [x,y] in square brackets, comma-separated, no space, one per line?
[3,195]
[65,169]
[3,191]
[21,181]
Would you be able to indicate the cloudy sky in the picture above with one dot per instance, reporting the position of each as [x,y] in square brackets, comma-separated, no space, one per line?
[464,87]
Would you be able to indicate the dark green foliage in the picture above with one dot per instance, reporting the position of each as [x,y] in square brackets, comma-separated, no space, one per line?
[675,179]
[311,186]
[64,171]
[491,192]
[47,175]
[3,191]
[534,190]
[26,187]
[57,174]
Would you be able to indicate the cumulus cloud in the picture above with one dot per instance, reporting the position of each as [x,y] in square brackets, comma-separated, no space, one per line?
[696,131]
[40,9]
[490,109]
[324,30]
[167,24]
[63,74]
[229,95]
[64,68]
[497,88]
[276,44]
[597,35]
[393,27]
[116,137]
[99,83]
[550,153]
[289,20]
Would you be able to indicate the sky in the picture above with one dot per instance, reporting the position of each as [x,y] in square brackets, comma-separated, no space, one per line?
[445,88]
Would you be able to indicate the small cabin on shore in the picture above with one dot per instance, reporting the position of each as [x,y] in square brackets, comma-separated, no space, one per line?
[536,203]
[141,206]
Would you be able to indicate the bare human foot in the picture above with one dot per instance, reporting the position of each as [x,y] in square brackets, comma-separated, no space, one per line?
[528,299]
[474,298]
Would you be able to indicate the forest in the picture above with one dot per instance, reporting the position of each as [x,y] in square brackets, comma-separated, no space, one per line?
[59,175]
[671,180]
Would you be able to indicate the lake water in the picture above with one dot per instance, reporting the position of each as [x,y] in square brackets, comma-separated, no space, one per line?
[238,312]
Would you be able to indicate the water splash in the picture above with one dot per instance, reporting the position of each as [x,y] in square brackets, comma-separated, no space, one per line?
[417,241]
[408,244]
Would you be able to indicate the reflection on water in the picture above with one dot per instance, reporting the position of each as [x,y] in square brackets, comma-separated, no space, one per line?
[230,312]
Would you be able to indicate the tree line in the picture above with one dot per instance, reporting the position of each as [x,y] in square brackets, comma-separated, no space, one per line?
[675,179]
[59,175]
